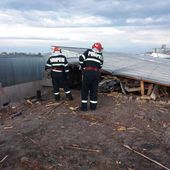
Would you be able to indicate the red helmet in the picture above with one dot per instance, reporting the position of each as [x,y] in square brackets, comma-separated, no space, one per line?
[98,46]
[56,49]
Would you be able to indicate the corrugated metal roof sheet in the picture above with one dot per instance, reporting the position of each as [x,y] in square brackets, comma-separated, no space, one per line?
[16,69]
[135,66]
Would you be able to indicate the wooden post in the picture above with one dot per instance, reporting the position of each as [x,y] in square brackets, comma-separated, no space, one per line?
[142,86]
[150,88]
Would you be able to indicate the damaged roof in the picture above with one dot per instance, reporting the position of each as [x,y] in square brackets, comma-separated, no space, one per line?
[139,67]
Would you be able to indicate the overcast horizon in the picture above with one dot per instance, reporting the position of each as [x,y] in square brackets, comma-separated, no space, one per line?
[120,25]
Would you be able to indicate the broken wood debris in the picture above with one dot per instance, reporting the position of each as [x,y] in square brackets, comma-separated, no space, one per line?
[125,85]
[121,128]
[96,123]
[155,92]
[8,127]
[144,97]
[55,106]
[3,159]
[146,157]
[92,118]
[76,147]
[132,89]
[74,108]
[150,89]
[34,99]
[52,104]
[25,160]
[15,114]
[29,102]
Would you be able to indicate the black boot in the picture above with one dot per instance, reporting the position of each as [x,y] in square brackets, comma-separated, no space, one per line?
[93,106]
[69,96]
[83,107]
[57,97]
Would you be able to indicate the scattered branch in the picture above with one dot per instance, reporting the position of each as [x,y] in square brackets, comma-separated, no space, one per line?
[2,160]
[146,157]
[82,149]
[55,106]
[52,104]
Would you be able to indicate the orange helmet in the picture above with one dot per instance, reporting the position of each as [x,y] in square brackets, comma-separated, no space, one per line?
[98,46]
[56,49]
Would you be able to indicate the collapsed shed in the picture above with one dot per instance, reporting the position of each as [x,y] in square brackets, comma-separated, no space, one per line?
[135,72]
[22,75]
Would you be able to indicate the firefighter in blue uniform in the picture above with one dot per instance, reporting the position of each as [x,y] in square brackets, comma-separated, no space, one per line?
[91,62]
[58,65]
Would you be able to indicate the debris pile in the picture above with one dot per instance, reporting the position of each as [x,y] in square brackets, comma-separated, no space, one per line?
[146,91]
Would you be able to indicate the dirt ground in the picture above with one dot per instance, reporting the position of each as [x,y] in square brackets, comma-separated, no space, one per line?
[47,135]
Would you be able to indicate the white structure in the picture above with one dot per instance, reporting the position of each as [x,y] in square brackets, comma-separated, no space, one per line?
[162,52]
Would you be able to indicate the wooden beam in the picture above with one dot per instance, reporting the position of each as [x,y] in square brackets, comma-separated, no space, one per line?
[142,86]
[148,81]
[133,89]
[150,88]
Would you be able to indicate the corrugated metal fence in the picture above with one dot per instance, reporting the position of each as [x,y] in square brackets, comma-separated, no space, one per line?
[19,68]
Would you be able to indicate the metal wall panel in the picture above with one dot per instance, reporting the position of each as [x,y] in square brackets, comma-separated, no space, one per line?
[20,68]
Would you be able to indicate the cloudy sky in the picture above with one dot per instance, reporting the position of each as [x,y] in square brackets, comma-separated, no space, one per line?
[120,25]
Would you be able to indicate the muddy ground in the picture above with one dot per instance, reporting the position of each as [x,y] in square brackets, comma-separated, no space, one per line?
[47,135]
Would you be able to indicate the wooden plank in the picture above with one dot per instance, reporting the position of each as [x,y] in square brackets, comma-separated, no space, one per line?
[142,86]
[150,88]
[133,89]
[144,97]
[135,78]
